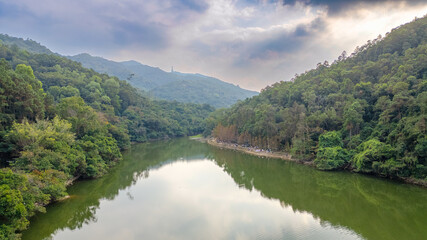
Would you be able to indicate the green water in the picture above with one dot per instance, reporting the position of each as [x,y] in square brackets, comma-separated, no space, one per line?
[183,189]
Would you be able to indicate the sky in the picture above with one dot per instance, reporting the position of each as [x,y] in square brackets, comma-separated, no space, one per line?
[250,43]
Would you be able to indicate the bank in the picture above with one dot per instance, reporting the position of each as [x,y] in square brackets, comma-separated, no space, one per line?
[288,157]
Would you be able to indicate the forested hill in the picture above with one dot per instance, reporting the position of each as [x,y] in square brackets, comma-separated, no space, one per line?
[366,112]
[172,86]
[28,44]
[60,121]
[181,87]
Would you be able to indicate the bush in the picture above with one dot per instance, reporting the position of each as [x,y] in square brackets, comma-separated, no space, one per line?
[331,158]
[330,139]
[372,157]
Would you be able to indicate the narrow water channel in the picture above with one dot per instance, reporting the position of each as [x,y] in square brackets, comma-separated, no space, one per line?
[183,189]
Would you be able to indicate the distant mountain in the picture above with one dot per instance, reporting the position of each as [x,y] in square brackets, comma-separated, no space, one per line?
[28,44]
[181,87]
[146,77]
[201,89]
[173,86]
[102,65]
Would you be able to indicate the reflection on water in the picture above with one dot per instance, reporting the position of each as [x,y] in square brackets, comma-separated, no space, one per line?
[183,189]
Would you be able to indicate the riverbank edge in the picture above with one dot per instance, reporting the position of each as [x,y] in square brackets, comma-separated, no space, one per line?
[74,179]
[288,157]
[261,153]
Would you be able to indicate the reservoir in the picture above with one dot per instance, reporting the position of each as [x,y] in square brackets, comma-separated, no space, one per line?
[185,189]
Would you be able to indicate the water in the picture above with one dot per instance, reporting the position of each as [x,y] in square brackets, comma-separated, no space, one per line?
[183,189]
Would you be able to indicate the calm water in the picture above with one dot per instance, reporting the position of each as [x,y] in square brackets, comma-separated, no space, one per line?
[184,189]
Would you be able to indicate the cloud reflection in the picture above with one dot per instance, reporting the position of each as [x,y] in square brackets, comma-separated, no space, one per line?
[190,200]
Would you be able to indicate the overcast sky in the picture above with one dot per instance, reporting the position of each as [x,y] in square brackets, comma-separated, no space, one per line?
[252,43]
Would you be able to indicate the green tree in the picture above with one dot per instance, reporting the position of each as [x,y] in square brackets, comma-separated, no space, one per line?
[371,155]
[353,117]
[45,145]
[330,158]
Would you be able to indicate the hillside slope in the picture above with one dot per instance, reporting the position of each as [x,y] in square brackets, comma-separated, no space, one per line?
[174,86]
[60,121]
[366,112]
[28,44]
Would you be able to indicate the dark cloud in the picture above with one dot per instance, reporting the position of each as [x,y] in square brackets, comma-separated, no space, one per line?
[287,41]
[126,33]
[98,29]
[337,6]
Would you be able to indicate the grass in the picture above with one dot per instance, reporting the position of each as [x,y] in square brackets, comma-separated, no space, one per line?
[196,136]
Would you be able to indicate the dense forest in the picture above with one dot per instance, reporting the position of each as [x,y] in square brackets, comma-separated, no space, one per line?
[60,121]
[365,112]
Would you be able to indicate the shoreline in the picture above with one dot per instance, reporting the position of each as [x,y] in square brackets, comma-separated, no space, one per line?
[288,157]
[255,152]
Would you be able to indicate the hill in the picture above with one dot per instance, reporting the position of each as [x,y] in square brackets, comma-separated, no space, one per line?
[60,121]
[366,112]
[28,44]
[174,86]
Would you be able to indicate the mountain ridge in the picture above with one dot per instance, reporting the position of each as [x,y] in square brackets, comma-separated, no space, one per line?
[164,85]
[171,86]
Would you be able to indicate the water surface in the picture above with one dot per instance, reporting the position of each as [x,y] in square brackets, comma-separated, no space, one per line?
[182,189]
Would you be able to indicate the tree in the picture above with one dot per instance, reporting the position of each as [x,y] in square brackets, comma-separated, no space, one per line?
[45,145]
[331,158]
[83,118]
[372,153]
[353,117]
[22,96]
[331,154]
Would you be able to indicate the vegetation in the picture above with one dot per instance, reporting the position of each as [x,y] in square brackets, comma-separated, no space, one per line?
[60,121]
[28,44]
[173,86]
[366,112]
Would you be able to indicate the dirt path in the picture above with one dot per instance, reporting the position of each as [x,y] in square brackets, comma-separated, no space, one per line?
[253,151]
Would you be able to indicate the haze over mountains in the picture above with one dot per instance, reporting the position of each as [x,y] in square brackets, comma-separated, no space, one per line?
[181,87]
[173,86]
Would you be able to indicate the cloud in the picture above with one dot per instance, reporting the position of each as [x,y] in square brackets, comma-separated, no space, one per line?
[196,5]
[286,41]
[96,25]
[338,6]
[252,43]
[127,33]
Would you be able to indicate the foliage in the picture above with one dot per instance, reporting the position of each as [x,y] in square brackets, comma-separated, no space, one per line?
[366,112]
[330,139]
[373,153]
[20,197]
[331,154]
[60,121]
[330,158]
[172,86]
[29,45]
[43,145]
[101,153]
[111,99]
[22,95]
